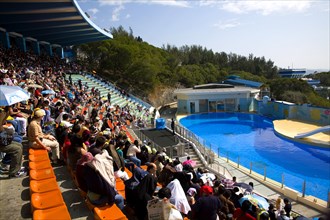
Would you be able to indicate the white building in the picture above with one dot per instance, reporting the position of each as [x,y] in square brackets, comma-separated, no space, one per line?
[216,98]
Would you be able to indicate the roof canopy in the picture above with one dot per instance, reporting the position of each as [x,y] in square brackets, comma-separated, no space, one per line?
[55,21]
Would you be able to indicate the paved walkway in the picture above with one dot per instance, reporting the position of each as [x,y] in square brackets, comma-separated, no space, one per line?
[267,192]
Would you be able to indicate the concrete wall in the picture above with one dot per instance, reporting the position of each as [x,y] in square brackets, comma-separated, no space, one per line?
[304,112]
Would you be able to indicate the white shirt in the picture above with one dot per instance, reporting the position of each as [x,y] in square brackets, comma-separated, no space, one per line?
[132,150]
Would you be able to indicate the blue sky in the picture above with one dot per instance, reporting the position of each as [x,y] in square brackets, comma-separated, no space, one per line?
[290,33]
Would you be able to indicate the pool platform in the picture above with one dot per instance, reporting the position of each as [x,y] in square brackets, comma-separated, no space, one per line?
[291,128]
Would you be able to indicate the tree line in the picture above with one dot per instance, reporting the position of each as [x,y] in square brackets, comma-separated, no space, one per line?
[146,71]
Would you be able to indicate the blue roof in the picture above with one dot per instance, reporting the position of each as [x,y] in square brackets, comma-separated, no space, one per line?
[59,22]
[244,82]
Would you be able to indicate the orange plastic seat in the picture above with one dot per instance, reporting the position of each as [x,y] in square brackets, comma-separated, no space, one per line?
[42,174]
[59,213]
[46,185]
[46,200]
[109,213]
[40,157]
[120,185]
[39,165]
[129,173]
[37,151]
[144,167]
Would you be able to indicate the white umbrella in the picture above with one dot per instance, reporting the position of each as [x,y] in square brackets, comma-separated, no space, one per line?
[35,86]
[10,95]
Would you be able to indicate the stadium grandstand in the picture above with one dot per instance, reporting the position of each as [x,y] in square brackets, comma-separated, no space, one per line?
[74,146]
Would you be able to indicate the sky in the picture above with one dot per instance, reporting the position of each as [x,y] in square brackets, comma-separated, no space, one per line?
[291,33]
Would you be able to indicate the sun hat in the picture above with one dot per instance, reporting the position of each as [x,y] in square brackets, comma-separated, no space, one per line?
[39,113]
[208,190]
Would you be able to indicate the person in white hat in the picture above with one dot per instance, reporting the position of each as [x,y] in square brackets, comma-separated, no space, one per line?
[37,139]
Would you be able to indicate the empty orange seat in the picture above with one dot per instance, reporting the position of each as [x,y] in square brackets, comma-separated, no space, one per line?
[46,200]
[59,213]
[39,165]
[37,151]
[40,157]
[120,185]
[109,213]
[46,185]
[42,174]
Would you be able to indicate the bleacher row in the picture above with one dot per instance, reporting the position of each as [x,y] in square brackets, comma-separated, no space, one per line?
[116,97]
[46,197]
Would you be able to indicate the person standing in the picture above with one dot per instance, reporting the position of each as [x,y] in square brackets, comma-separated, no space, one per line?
[173,126]
[287,207]
[37,139]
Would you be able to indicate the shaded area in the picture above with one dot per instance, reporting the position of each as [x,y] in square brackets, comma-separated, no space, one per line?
[163,137]
[58,22]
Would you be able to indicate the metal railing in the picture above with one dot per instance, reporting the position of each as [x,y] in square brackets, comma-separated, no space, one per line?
[206,154]
[301,186]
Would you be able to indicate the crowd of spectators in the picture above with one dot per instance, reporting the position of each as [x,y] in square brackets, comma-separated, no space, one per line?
[85,131]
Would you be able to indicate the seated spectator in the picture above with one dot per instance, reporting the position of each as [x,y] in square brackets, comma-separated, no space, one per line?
[177,165]
[11,144]
[146,190]
[283,216]
[178,197]
[271,212]
[131,153]
[37,139]
[98,182]
[189,162]
[242,213]
[287,207]
[118,163]
[207,206]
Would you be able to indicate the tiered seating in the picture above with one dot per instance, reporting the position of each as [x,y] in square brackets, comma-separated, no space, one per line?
[46,197]
[109,212]
[116,98]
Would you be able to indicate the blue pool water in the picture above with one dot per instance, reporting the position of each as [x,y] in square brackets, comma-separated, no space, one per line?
[251,138]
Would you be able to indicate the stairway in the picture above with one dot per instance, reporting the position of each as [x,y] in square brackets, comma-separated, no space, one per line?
[193,156]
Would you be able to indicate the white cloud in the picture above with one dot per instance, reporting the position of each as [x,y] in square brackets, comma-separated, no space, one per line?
[116,12]
[176,3]
[93,11]
[265,7]
[127,16]
[231,23]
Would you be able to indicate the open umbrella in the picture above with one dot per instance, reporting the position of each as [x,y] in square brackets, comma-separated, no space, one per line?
[35,86]
[228,183]
[256,200]
[48,92]
[10,95]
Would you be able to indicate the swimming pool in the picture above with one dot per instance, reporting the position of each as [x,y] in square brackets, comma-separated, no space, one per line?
[251,138]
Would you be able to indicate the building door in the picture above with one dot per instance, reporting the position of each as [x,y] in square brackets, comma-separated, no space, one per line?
[192,107]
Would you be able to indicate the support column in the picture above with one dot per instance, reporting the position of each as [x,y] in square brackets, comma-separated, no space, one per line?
[49,49]
[4,39]
[59,52]
[36,47]
[20,42]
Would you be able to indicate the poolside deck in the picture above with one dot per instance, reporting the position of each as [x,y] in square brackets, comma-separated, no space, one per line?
[290,128]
